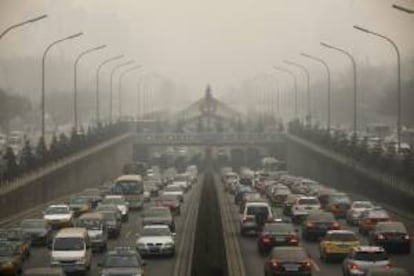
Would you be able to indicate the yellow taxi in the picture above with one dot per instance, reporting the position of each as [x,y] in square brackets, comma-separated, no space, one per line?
[337,244]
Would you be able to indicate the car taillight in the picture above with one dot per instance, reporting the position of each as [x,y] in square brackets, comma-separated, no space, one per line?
[266,239]
[368,221]
[335,225]
[310,224]
[406,237]
[380,236]
[274,264]
[307,265]
[353,266]
[293,238]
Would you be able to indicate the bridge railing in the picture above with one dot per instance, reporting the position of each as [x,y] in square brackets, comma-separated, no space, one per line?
[208,138]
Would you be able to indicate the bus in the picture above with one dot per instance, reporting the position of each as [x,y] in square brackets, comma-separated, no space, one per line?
[131,187]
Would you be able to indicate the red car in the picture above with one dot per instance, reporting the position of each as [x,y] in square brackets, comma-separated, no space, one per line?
[170,201]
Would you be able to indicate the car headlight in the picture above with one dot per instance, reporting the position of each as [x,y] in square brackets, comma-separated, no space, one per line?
[169,244]
[7,265]
[81,260]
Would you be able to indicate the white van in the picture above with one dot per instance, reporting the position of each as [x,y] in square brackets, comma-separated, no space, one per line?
[71,249]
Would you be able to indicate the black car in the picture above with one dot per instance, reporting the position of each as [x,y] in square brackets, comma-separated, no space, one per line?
[122,261]
[277,234]
[392,235]
[288,260]
[38,230]
[317,223]
[112,223]
[158,215]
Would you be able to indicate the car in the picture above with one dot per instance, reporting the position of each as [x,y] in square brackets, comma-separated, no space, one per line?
[44,271]
[112,223]
[120,202]
[248,218]
[172,189]
[229,179]
[17,237]
[183,181]
[317,224]
[279,195]
[170,201]
[250,197]
[288,260]
[303,206]
[357,208]
[338,204]
[11,261]
[38,230]
[156,240]
[95,224]
[278,233]
[238,196]
[370,218]
[387,271]
[392,235]
[95,195]
[58,216]
[122,261]
[79,205]
[362,258]
[158,215]
[337,244]
[289,202]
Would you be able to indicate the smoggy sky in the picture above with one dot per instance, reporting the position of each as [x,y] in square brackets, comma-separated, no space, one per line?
[194,42]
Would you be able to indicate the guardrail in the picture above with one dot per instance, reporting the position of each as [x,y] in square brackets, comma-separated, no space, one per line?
[207,138]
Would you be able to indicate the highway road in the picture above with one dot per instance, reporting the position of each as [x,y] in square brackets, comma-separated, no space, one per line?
[254,262]
[156,265]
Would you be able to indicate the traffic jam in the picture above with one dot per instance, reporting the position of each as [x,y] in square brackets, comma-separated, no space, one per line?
[298,226]
[113,229]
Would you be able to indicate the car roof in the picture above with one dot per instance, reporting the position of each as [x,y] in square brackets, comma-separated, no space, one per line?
[43,271]
[340,232]
[71,232]
[58,206]
[156,226]
[257,203]
[91,215]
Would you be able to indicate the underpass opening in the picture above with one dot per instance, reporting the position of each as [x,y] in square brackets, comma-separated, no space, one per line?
[209,256]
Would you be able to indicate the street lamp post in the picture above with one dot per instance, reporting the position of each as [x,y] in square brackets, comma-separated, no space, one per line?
[307,74]
[354,73]
[75,81]
[44,73]
[404,9]
[98,70]
[321,61]
[110,85]
[399,96]
[295,84]
[22,24]
[121,76]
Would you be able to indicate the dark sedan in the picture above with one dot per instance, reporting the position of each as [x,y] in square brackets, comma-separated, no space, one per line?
[392,235]
[317,224]
[288,260]
[277,234]
[38,230]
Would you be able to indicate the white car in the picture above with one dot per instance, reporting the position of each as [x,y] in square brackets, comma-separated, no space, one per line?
[156,240]
[303,206]
[58,216]
[120,202]
[173,189]
[248,217]
[356,210]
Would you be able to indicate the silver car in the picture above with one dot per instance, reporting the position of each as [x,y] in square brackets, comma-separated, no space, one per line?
[362,258]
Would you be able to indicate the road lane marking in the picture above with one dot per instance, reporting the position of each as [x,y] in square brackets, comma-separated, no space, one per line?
[315,265]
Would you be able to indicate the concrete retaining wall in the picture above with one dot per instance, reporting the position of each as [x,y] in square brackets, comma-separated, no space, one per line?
[86,169]
[335,170]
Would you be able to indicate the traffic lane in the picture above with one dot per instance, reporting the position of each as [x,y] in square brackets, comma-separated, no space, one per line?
[40,256]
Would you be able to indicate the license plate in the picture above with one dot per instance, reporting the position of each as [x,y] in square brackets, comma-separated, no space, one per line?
[291,267]
[280,239]
[154,249]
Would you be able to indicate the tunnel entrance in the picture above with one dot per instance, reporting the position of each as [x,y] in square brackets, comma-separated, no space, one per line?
[209,256]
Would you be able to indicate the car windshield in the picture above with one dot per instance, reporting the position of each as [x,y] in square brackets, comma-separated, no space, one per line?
[108,215]
[57,210]
[308,201]
[6,250]
[128,187]
[90,224]
[10,234]
[371,256]
[343,237]
[340,198]
[173,189]
[285,228]
[78,200]
[121,261]
[253,210]
[156,231]
[168,198]
[180,178]
[36,224]
[157,213]
[391,227]
[67,244]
